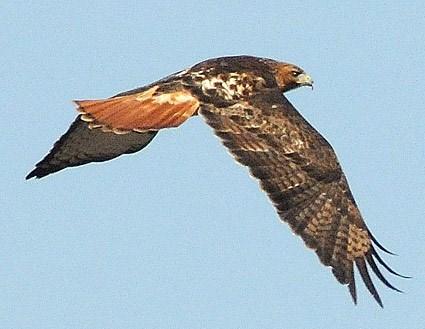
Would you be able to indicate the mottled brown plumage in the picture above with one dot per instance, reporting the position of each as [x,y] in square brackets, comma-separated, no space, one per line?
[241,99]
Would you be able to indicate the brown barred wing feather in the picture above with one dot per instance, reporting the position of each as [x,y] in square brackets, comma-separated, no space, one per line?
[300,173]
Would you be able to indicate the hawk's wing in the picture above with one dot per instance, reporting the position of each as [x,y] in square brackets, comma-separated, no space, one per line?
[81,145]
[123,124]
[299,171]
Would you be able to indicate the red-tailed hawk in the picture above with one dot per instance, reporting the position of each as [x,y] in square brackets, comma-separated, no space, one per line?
[242,99]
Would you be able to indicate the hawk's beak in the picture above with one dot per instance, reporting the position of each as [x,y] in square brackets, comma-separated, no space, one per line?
[305,80]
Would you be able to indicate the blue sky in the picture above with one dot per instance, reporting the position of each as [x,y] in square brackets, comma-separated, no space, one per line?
[179,236]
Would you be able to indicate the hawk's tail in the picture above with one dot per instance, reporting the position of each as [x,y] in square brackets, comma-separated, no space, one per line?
[147,110]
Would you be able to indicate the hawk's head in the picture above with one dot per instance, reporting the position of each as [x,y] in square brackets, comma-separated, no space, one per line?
[289,76]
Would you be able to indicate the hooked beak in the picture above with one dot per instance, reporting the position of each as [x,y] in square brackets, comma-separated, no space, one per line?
[305,80]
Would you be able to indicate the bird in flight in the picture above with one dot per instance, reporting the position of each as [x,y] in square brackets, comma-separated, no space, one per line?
[242,99]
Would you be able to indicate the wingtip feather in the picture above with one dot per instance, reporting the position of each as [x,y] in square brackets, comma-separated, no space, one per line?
[378,273]
[385,265]
[37,173]
[361,266]
[353,292]
[380,246]
[32,174]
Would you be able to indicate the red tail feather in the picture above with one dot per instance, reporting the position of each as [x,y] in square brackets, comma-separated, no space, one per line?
[141,111]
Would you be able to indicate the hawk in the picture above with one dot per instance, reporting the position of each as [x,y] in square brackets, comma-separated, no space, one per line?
[242,99]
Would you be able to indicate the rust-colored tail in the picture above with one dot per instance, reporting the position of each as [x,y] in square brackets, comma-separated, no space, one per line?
[147,110]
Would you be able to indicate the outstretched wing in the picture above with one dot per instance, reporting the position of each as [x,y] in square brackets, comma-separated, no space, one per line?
[123,124]
[299,171]
[81,145]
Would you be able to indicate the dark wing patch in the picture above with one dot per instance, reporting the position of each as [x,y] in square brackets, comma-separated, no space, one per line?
[300,173]
[81,145]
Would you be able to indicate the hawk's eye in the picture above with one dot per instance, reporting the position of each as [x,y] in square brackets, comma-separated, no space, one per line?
[295,73]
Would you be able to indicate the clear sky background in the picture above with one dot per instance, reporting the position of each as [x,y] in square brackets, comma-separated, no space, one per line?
[179,236]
